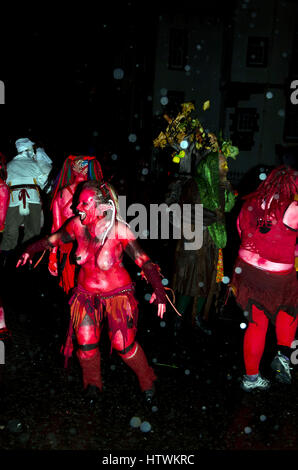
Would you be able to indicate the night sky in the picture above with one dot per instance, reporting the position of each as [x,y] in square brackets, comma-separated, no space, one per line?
[60,64]
[57,66]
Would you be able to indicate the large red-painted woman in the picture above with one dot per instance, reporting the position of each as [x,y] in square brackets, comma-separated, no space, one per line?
[104,288]
[4,202]
[75,170]
[264,279]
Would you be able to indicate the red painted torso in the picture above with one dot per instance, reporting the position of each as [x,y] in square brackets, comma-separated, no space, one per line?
[101,268]
[267,244]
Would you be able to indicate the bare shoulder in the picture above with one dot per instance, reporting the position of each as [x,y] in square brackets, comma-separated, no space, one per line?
[290,218]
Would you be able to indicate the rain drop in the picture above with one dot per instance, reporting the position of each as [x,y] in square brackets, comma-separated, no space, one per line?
[263,418]
[135,422]
[164,100]
[269,95]
[187,372]
[238,270]
[165,282]
[114,156]
[145,426]
[15,426]
[118,74]
[184,144]
[225,280]
[147,297]
[243,326]
[162,324]
[132,137]
[163,91]
[145,171]
[247,430]
[262,176]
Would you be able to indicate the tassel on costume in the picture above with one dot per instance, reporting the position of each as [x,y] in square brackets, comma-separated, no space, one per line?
[219,269]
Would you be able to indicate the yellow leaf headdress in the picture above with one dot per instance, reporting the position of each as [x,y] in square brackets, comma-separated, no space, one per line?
[185,126]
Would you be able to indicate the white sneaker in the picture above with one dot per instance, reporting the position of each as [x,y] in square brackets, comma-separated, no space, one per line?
[282,368]
[259,384]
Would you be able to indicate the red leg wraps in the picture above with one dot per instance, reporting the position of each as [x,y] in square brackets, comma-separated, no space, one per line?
[88,335]
[137,361]
[254,341]
[91,369]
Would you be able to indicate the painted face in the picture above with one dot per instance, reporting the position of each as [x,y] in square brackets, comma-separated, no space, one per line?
[87,208]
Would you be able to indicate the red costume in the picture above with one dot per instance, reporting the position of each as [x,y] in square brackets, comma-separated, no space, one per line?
[104,287]
[75,170]
[4,202]
[264,280]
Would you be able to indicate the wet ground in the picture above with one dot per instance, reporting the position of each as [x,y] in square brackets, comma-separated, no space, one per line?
[200,406]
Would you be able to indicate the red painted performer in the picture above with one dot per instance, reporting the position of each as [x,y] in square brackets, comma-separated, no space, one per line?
[4,202]
[264,279]
[75,169]
[104,288]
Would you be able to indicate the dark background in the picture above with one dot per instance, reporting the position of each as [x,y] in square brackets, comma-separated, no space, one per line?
[57,63]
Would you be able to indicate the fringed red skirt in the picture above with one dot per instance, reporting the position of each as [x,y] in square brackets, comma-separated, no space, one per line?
[119,307]
[270,292]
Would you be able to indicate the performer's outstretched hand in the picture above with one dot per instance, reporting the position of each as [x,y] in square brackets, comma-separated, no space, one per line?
[23,259]
[161,307]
